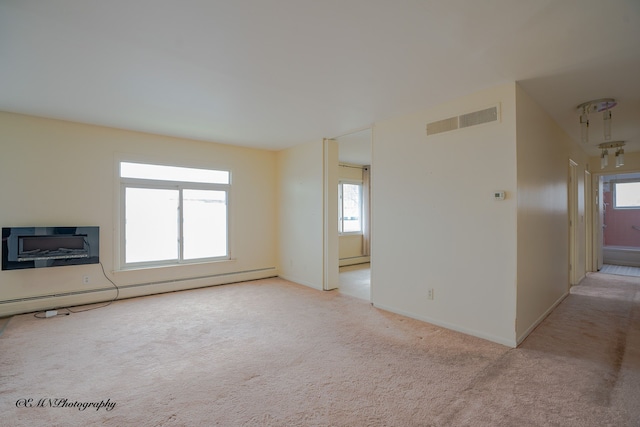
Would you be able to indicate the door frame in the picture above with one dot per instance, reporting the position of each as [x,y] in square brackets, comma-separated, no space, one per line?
[330,278]
[597,237]
[573,222]
[588,226]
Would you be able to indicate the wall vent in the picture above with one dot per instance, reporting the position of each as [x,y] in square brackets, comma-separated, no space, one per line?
[465,120]
[479,117]
[442,126]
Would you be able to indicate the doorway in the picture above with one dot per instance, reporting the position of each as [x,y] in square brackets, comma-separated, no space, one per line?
[354,213]
[355,280]
[619,224]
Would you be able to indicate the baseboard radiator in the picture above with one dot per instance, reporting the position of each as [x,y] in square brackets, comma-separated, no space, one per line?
[93,296]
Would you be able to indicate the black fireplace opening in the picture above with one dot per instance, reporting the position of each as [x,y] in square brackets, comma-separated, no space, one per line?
[36,247]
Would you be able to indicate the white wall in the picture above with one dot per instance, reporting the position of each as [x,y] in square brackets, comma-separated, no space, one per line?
[57,173]
[543,152]
[301,222]
[435,223]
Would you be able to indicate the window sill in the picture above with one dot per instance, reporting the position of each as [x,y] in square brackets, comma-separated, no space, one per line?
[172,267]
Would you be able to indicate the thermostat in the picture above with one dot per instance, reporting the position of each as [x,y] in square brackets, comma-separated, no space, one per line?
[498,195]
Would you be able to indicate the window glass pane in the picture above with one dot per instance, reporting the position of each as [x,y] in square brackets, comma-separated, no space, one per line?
[151,224]
[204,223]
[351,208]
[627,194]
[172,173]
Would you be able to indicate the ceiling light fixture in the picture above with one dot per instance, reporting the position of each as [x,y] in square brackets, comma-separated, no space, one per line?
[604,153]
[619,157]
[604,159]
[604,106]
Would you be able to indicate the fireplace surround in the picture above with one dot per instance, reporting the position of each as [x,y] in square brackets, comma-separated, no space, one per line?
[37,247]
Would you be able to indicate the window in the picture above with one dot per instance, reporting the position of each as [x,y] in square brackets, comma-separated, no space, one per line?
[349,207]
[626,195]
[172,215]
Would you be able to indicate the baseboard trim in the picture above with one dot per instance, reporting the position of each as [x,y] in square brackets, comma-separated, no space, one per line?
[453,327]
[544,315]
[300,282]
[354,260]
[94,296]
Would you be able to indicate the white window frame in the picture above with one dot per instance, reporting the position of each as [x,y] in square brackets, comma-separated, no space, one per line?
[169,185]
[615,191]
[340,208]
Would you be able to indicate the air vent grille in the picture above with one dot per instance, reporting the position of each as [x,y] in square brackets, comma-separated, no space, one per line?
[479,117]
[465,120]
[442,126]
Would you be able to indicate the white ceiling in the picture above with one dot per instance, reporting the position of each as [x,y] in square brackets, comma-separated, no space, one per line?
[355,147]
[275,73]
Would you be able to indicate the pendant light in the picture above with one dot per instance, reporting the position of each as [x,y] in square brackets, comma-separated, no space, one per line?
[604,106]
[604,153]
[619,157]
[604,159]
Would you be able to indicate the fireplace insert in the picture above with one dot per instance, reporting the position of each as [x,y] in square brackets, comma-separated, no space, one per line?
[35,247]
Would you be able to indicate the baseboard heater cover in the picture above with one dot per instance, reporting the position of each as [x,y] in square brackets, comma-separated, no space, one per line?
[138,285]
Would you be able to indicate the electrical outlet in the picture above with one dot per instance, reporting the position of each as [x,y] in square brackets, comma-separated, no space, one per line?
[85,280]
[430,294]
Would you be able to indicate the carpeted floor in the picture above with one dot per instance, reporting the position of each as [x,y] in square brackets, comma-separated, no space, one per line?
[355,280]
[273,353]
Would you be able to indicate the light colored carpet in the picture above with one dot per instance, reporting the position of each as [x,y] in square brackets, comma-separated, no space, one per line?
[355,280]
[273,353]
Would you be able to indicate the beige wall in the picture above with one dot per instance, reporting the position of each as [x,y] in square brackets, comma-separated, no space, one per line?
[543,154]
[350,172]
[300,221]
[57,173]
[351,246]
[435,223]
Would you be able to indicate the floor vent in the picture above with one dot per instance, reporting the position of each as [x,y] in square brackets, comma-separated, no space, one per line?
[470,119]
